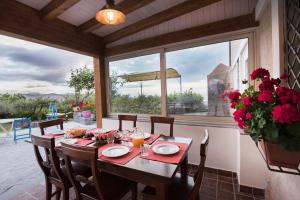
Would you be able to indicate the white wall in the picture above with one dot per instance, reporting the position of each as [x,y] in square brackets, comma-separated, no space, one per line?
[253,169]
[223,143]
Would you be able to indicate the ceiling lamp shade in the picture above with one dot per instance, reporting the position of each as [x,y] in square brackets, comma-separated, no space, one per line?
[110,15]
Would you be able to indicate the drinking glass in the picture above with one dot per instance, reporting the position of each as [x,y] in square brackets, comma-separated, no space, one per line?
[144,150]
[110,140]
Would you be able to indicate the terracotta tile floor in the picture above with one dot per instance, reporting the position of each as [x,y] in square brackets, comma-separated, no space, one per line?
[216,185]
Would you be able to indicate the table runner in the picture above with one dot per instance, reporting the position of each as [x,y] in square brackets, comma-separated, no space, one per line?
[119,160]
[175,158]
[83,142]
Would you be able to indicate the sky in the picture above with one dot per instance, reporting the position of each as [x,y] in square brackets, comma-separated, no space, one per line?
[27,67]
[193,64]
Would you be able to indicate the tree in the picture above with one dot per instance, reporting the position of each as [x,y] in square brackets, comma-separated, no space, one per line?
[115,83]
[82,79]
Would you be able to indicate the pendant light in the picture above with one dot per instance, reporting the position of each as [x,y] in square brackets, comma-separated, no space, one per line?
[110,15]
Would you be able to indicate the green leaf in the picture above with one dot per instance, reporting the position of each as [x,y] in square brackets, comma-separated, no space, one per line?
[271,131]
[294,129]
[261,123]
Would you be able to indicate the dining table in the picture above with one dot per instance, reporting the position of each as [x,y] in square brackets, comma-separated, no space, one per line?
[154,173]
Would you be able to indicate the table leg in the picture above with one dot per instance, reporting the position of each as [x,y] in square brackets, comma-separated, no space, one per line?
[11,128]
[184,166]
[161,192]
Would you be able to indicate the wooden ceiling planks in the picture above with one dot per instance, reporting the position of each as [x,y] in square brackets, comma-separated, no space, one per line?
[57,7]
[25,22]
[158,18]
[219,27]
[126,7]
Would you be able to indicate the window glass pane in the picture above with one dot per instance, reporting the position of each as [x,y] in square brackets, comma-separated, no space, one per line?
[202,74]
[135,85]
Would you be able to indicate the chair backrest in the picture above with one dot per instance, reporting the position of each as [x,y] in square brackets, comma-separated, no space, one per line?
[88,155]
[22,123]
[51,161]
[46,124]
[127,118]
[199,173]
[162,120]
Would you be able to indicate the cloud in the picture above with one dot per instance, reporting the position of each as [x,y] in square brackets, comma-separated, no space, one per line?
[26,61]
[37,85]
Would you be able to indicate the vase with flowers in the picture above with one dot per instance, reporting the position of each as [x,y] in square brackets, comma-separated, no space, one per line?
[271,114]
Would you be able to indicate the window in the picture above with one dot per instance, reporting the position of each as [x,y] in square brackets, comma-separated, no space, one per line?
[202,75]
[195,80]
[135,85]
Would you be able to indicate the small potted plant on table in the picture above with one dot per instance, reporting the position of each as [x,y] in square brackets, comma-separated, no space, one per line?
[271,114]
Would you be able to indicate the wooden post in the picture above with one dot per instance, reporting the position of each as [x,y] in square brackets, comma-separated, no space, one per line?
[100,93]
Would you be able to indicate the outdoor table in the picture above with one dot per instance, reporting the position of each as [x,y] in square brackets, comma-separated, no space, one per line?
[148,172]
[7,121]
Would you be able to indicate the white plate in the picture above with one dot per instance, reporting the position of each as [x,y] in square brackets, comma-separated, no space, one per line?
[115,151]
[69,141]
[146,135]
[165,149]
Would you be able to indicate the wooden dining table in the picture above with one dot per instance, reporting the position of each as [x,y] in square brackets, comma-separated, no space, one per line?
[149,172]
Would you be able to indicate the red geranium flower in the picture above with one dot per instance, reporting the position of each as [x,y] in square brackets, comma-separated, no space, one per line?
[284,99]
[259,73]
[233,104]
[276,81]
[285,114]
[265,96]
[248,116]
[284,76]
[246,101]
[281,91]
[267,84]
[234,95]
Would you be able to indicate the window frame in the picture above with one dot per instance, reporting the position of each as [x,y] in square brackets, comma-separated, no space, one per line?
[194,119]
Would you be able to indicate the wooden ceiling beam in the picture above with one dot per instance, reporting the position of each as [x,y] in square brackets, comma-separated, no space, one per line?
[126,6]
[21,21]
[57,7]
[224,26]
[163,16]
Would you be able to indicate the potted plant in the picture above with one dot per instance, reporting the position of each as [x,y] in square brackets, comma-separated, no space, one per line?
[271,114]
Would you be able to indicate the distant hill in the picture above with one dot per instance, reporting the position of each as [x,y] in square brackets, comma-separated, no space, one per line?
[50,95]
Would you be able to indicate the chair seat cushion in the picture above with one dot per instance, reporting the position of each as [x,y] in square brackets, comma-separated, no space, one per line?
[180,188]
[112,187]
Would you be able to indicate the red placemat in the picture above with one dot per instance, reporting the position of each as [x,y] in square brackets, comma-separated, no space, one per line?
[54,135]
[152,138]
[175,158]
[83,142]
[119,160]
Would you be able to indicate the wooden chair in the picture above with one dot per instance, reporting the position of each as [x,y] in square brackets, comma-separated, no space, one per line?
[162,120]
[51,167]
[50,123]
[127,118]
[21,125]
[184,187]
[102,186]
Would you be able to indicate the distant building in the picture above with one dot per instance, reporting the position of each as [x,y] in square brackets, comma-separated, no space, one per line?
[218,80]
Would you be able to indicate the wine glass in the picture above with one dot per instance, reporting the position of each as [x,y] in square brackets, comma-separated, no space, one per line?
[110,140]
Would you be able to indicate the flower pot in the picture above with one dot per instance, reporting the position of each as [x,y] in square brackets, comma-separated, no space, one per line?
[276,155]
[86,114]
